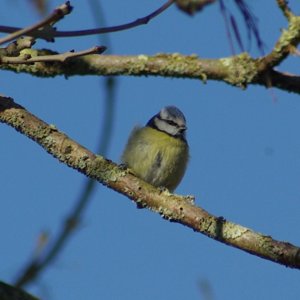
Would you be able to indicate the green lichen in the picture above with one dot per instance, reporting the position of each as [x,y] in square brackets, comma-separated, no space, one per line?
[139,65]
[178,65]
[232,231]
[190,199]
[83,162]
[291,36]
[170,214]
[42,132]
[53,127]
[29,51]
[208,226]
[103,171]
[143,57]
[241,69]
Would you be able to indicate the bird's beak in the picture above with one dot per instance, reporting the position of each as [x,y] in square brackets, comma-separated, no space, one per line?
[183,128]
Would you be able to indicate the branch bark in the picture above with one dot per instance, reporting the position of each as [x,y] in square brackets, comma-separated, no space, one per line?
[27,58]
[191,7]
[49,253]
[171,207]
[56,15]
[41,31]
[240,70]
[9,292]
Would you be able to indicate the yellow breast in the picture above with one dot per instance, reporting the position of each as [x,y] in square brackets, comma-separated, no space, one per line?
[156,157]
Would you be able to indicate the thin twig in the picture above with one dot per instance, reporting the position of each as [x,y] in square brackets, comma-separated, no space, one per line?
[283,5]
[34,267]
[251,23]
[240,70]
[224,12]
[39,263]
[50,35]
[26,58]
[289,40]
[55,16]
[14,48]
[192,6]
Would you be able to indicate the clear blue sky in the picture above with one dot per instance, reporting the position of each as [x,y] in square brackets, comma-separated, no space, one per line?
[245,166]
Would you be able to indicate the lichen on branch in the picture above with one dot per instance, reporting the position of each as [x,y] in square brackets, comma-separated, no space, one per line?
[172,207]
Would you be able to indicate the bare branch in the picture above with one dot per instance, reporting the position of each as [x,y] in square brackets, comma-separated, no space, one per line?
[172,207]
[285,81]
[49,34]
[251,23]
[56,15]
[26,58]
[239,71]
[288,40]
[50,252]
[14,48]
[39,263]
[283,5]
[8,292]
[192,6]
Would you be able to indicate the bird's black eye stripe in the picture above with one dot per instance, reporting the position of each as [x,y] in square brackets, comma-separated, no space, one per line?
[172,123]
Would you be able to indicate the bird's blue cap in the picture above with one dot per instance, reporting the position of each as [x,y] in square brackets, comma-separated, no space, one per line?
[173,111]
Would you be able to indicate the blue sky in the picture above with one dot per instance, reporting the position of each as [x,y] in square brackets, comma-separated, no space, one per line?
[245,166]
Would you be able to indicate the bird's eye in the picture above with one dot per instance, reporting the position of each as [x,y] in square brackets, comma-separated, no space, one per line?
[170,122]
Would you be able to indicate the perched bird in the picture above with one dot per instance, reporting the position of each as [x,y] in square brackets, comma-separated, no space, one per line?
[158,152]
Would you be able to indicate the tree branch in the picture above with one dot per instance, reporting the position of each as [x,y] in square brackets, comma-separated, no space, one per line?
[9,292]
[282,80]
[56,15]
[171,207]
[13,49]
[39,263]
[192,6]
[288,40]
[49,34]
[283,5]
[239,71]
[26,56]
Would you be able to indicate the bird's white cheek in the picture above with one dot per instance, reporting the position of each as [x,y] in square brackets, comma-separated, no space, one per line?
[164,126]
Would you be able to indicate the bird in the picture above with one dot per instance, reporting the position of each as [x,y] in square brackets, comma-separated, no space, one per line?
[158,152]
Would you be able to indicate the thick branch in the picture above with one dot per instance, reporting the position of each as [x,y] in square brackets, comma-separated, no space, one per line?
[281,80]
[8,292]
[238,70]
[171,207]
[27,58]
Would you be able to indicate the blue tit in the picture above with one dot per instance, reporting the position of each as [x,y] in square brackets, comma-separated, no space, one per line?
[158,152]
